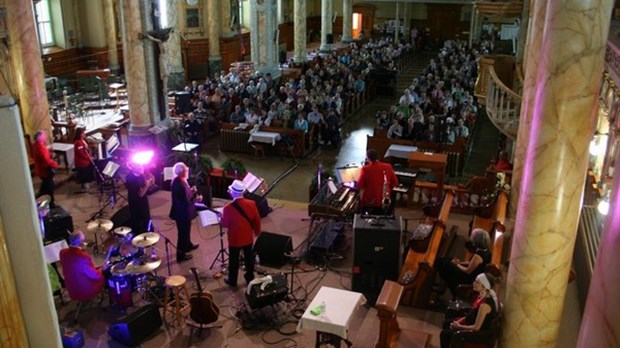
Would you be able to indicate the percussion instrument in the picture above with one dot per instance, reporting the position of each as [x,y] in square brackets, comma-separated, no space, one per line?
[99,226]
[145,239]
[122,231]
[43,205]
[120,289]
[143,265]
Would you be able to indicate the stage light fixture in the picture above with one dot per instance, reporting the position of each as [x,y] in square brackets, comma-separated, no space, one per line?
[142,157]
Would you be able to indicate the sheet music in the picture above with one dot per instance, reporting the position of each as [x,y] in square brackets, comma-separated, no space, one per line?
[252,182]
[110,169]
[332,187]
[52,250]
[349,174]
[168,173]
[157,129]
[208,218]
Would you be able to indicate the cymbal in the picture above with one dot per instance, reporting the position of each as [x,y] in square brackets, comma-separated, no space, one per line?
[145,265]
[99,226]
[145,239]
[43,201]
[119,269]
[122,231]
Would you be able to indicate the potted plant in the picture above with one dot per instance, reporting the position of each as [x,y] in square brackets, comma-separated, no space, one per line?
[234,167]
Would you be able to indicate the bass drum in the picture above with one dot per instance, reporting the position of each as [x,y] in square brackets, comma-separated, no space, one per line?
[120,287]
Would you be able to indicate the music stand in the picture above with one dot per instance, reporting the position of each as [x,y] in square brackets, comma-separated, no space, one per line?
[210,217]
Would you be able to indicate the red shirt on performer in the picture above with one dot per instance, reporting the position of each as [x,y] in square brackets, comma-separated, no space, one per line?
[371,182]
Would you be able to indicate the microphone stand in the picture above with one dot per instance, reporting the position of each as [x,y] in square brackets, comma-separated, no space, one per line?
[222,255]
[167,243]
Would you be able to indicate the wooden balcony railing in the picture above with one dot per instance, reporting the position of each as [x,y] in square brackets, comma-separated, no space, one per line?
[503,105]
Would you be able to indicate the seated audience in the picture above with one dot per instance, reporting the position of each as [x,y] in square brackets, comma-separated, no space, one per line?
[455,272]
[482,314]
[301,123]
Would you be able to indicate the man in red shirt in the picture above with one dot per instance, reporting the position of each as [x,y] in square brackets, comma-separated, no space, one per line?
[82,279]
[371,184]
[44,166]
[242,221]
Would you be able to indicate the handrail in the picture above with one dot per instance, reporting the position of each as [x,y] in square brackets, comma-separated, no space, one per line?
[503,105]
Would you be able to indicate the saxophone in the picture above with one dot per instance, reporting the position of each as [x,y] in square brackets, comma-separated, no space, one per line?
[387,201]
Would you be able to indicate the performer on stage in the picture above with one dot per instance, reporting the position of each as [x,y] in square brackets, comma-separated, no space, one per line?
[241,220]
[44,166]
[84,164]
[137,183]
[376,181]
[183,210]
[82,279]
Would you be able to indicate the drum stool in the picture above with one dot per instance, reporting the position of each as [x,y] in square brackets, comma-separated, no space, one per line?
[177,284]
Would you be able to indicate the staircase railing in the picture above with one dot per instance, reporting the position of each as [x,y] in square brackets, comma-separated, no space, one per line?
[503,105]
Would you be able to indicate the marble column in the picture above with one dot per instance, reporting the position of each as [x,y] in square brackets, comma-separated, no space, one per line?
[110,35]
[300,50]
[406,21]
[600,323]
[27,67]
[525,22]
[326,24]
[562,106]
[176,80]
[263,36]
[144,92]
[215,60]
[472,22]
[347,20]
[226,19]
[397,31]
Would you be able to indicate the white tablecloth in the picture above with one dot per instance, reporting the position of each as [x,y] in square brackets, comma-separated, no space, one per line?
[264,137]
[400,151]
[340,307]
[185,147]
[68,150]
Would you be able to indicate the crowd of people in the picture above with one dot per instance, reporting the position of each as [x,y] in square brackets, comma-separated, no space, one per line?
[439,105]
[315,99]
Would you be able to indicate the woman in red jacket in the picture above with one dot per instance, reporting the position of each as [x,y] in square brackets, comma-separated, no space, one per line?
[44,166]
[83,160]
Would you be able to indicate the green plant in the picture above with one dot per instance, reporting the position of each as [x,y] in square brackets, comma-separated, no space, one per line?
[234,166]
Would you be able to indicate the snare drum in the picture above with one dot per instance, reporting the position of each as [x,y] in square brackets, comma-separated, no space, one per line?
[120,287]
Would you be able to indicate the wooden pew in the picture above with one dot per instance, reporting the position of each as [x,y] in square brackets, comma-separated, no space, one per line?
[420,263]
[237,140]
[390,333]
[494,224]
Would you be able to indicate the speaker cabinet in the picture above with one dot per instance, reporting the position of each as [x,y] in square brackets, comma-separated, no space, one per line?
[137,326]
[261,204]
[58,224]
[271,248]
[183,102]
[329,38]
[377,254]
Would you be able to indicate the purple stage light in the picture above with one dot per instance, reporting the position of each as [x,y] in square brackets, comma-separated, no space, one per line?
[142,157]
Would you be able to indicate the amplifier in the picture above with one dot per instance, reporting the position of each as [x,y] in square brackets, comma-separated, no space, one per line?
[58,224]
[272,294]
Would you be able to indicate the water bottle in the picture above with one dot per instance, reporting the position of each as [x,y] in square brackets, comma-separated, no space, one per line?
[256,260]
[323,308]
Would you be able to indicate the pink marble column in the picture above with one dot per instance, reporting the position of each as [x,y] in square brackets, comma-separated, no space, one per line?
[134,58]
[561,104]
[27,66]
[600,323]
[110,34]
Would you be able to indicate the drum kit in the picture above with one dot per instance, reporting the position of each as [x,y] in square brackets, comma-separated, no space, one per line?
[129,264]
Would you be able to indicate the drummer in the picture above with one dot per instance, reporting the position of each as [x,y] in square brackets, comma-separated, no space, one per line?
[82,279]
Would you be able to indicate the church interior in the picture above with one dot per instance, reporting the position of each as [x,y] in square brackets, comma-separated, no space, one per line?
[494,222]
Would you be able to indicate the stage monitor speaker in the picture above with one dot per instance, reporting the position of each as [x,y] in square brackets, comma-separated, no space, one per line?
[261,203]
[58,224]
[137,326]
[122,217]
[272,247]
[330,39]
[377,254]
[183,102]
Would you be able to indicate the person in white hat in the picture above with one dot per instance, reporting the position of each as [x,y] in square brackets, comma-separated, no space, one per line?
[241,220]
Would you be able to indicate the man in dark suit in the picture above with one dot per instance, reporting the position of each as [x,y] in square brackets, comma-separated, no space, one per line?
[183,210]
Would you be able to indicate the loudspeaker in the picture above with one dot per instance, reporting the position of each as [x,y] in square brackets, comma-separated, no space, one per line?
[377,254]
[271,248]
[183,102]
[137,326]
[58,224]
[329,38]
[261,203]
[122,217]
